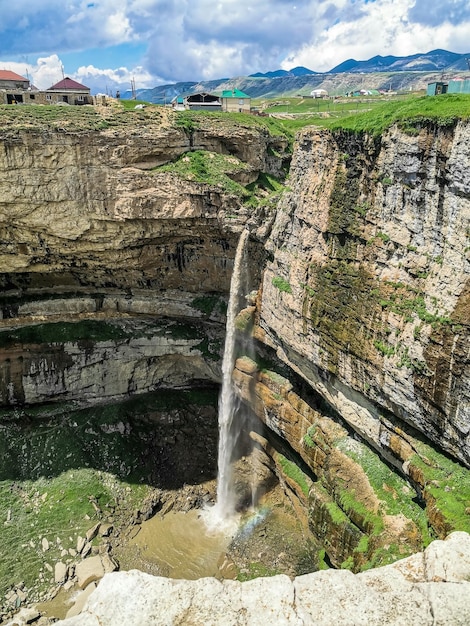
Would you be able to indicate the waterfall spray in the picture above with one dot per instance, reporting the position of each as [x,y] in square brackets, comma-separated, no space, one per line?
[225,504]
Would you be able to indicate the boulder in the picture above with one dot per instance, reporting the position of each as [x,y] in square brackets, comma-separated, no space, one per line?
[60,572]
[89,570]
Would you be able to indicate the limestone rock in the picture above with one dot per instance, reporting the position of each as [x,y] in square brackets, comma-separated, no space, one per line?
[402,593]
[370,283]
[89,570]
[82,597]
[81,541]
[25,616]
[93,531]
[60,572]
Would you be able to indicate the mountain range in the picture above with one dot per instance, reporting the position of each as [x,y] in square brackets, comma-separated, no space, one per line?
[408,73]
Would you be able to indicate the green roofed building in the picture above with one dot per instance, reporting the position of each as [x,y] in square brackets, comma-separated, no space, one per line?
[235,101]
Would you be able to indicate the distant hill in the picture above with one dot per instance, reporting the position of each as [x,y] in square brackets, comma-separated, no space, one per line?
[295,71]
[389,73]
[429,62]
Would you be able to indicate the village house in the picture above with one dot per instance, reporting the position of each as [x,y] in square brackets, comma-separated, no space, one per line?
[231,101]
[69,91]
[16,89]
[201,101]
[235,101]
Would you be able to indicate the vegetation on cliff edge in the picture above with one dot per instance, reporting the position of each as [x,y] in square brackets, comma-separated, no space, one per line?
[410,115]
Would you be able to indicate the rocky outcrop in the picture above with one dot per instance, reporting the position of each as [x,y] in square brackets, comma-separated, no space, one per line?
[91,209]
[363,311]
[138,356]
[426,588]
[339,481]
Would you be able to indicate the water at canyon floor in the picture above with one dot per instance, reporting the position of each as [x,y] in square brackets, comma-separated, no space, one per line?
[262,542]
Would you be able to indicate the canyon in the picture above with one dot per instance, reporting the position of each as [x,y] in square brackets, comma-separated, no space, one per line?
[353,327]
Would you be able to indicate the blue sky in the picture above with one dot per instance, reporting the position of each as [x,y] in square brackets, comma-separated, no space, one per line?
[106,44]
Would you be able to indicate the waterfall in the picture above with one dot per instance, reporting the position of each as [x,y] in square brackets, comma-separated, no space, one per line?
[225,504]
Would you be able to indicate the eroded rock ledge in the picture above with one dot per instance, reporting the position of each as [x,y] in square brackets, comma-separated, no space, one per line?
[429,588]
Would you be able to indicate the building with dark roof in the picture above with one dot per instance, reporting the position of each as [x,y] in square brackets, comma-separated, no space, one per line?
[69,91]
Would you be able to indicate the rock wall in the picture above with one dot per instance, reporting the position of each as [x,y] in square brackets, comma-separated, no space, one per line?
[362,326]
[366,293]
[92,230]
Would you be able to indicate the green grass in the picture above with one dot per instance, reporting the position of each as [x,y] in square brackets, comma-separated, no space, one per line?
[384,348]
[294,472]
[337,515]
[60,332]
[35,117]
[393,491]
[257,570]
[282,284]
[210,168]
[208,303]
[88,332]
[410,114]
[129,105]
[372,114]
[58,508]
[408,302]
[358,115]
[265,191]
[449,484]
[53,461]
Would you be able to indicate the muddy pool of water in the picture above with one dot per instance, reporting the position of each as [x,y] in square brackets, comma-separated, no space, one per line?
[267,540]
[178,545]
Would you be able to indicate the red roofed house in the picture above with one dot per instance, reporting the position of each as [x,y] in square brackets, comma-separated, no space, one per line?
[12,87]
[15,89]
[69,91]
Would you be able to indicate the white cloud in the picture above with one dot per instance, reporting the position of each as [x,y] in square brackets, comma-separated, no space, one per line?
[209,39]
[394,34]
[46,72]
[110,80]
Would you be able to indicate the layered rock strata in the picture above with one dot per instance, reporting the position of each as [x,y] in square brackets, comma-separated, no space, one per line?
[91,229]
[366,295]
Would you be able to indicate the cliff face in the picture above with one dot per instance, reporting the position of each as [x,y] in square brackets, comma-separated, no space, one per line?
[115,273]
[92,230]
[366,296]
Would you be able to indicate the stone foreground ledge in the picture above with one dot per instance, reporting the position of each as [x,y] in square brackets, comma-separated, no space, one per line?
[428,588]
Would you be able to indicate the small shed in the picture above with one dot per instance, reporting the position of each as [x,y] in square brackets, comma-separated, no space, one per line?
[235,101]
[459,85]
[435,89]
[319,93]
